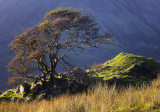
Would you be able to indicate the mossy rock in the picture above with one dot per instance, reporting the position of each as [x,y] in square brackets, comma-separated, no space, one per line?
[10,95]
[127,68]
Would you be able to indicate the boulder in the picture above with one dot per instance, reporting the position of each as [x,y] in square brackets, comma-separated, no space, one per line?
[35,88]
[17,90]
[21,89]
[24,89]
[5,93]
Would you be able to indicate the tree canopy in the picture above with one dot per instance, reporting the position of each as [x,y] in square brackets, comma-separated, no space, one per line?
[42,47]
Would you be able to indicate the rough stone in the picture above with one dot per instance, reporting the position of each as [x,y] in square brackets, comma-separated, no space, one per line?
[5,93]
[24,89]
[17,90]
[21,89]
[35,88]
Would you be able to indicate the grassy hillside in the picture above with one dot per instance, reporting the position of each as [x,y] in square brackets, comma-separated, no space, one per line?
[123,69]
[127,68]
[98,99]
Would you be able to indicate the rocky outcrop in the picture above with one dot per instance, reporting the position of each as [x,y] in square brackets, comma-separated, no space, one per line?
[77,81]
[23,89]
[124,69]
[35,88]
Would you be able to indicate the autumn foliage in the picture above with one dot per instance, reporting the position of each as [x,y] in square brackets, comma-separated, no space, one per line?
[42,47]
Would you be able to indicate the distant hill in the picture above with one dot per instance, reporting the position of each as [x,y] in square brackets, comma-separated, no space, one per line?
[136,24]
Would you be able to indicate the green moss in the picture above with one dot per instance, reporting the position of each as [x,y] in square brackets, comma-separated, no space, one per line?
[128,68]
[10,94]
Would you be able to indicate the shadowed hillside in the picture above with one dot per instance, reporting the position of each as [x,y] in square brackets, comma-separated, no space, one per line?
[135,23]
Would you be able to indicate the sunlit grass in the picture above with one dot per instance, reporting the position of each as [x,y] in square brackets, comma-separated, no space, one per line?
[98,99]
[127,68]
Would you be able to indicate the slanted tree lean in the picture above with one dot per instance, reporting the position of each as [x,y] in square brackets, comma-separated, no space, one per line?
[42,47]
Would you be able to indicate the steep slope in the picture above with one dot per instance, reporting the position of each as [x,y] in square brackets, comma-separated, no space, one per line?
[136,24]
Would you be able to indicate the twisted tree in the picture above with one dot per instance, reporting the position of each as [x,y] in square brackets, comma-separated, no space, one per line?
[42,47]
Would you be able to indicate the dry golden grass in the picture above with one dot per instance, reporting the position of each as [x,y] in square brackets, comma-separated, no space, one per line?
[98,99]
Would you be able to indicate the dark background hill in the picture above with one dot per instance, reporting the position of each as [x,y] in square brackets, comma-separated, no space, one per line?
[136,24]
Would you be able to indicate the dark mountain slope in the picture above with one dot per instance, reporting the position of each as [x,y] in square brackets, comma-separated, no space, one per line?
[136,24]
